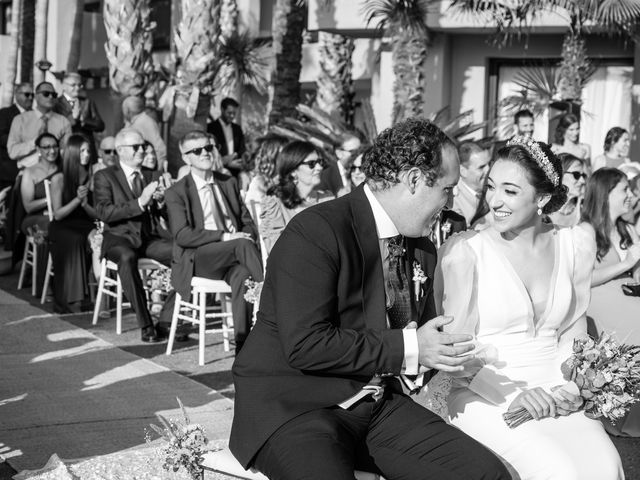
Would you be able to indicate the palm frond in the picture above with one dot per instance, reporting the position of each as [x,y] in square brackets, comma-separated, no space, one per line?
[245,60]
[617,12]
[391,15]
[538,82]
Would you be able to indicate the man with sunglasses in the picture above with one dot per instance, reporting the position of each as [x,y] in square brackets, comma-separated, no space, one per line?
[214,235]
[81,111]
[335,178]
[129,200]
[23,101]
[27,126]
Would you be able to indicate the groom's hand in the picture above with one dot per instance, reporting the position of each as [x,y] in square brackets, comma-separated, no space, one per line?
[439,350]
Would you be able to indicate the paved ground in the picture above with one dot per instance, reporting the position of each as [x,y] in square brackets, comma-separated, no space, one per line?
[215,374]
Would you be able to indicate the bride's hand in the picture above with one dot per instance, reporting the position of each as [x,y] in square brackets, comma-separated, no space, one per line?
[566,403]
[537,402]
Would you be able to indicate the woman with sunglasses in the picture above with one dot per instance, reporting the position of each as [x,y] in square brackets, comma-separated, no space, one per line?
[299,167]
[354,170]
[607,199]
[567,137]
[73,221]
[574,178]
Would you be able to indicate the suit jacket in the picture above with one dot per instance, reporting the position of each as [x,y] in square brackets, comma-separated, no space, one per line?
[8,167]
[330,178]
[215,129]
[186,221]
[90,120]
[118,207]
[324,276]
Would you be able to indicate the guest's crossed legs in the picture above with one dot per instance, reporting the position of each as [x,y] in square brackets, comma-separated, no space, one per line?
[394,436]
[234,262]
[120,251]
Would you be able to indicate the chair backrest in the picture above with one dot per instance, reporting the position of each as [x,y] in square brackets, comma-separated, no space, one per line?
[256,209]
[47,192]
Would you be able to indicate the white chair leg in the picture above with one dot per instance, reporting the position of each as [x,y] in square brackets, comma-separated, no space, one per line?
[25,260]
[34,270]
[47,277]
[202,303]
[174,323]
[119,306]
[96,308]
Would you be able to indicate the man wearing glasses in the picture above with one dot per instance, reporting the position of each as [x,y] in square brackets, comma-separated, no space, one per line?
[213,233]
[129,199]
[27,126]
[335,177]
[23,102]
[81,111]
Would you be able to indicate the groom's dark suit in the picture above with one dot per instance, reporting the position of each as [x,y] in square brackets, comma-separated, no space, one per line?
[321,336]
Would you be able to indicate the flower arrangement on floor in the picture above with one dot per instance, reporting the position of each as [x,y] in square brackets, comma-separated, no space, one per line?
[606,375]
[186,444]
[252,295]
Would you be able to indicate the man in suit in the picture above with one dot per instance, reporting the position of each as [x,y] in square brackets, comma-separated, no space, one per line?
[474,166]
[317,392]
[129,200]
[229,137]
[23,101]
[81,111]
[136,117]
[214,236]
[335,178]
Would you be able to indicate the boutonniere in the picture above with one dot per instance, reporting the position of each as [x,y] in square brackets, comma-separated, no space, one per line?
[419,277]
[446,229]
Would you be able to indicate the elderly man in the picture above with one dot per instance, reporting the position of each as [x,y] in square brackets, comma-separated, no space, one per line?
[474,165]
[129,199]
[135,117]
[214,235]
[27,126]
[23,101]
[317,392]
[81,111]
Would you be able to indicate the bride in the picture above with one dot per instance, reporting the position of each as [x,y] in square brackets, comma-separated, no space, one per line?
[521,288]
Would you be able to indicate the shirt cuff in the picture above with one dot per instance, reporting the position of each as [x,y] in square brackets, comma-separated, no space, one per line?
[411,351]
[140,205]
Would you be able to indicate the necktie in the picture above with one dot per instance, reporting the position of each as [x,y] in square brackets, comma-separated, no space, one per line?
[136,184]
[216,210]
[399,309]
[45,123]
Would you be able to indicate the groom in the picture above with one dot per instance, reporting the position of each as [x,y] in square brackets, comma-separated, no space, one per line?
[338,312]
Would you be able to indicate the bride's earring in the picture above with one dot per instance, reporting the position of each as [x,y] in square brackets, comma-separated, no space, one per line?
[539,212]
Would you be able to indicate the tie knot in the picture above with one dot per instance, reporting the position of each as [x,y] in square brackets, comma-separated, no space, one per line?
[395,246]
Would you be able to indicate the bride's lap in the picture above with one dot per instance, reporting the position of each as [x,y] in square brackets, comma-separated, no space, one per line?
[572,447]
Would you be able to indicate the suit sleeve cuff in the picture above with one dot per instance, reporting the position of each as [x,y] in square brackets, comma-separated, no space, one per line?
[410,363]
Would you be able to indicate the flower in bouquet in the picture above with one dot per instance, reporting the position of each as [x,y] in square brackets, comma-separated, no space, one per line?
[603,373]
[186,443]
[39,235]
[160,280]
[254,289]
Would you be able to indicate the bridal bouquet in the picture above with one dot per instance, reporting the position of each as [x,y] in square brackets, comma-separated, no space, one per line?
[606,375]
[186,444]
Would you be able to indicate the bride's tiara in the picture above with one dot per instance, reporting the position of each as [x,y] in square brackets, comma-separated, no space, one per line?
[538,155]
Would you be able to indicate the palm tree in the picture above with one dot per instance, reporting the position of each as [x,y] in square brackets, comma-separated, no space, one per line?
[289,21]
[335,90]
[228,18]
[40,41]
[404,21]
[73,60]
[11,66]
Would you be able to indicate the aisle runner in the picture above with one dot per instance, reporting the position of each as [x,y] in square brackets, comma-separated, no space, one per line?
[63,390]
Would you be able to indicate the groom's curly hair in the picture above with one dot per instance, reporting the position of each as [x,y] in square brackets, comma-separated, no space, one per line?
[415,142]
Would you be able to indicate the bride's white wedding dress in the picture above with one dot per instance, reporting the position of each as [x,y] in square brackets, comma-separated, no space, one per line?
[482,291]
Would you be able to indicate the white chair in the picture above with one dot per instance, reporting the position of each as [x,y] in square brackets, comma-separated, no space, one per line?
[223,461]
[29,259]
[49,271]
[110,285]
[197,312]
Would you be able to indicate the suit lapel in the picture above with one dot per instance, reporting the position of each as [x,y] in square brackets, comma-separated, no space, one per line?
[194,199]
[124,185]
[364,227]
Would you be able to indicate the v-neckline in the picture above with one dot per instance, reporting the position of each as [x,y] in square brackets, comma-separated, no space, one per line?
[535,322]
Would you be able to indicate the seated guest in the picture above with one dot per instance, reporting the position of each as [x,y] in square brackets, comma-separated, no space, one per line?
[73,221]
[23,102]
[150,161]
[264,172]
[567,137]
[107,154]
[27,126]
[213,234]
[574,178]
[299,170]
[217,164]
[128,199]
[607,199]
[616,149]
[474,164]
[336,176]
[136,117]
[81,111]
[356,175]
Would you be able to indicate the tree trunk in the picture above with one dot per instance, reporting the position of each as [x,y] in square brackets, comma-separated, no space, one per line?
[573,67]
[40,42]
[12,57]
[73,61]
[408,55]
[288,24]
[335,84]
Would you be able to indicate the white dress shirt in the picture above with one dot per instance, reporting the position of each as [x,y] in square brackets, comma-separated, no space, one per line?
[227,129]
[129,174]
[205,194]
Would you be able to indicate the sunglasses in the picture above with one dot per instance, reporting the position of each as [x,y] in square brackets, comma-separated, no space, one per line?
[48,94]
[577,175]
[312,163]
[355,168]
[197,151]
[109,151]
[27,94]
[136,147]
